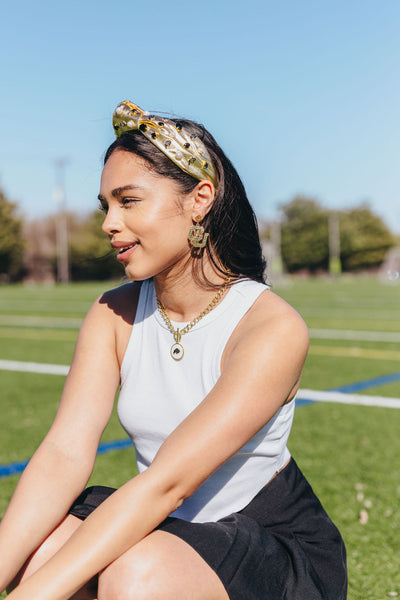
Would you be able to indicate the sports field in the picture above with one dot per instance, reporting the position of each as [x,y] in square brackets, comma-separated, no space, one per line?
[349,452]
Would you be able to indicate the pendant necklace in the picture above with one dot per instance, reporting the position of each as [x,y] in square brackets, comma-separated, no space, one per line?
[177,350]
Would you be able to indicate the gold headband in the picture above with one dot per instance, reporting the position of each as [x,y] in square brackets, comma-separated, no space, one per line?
[186,150]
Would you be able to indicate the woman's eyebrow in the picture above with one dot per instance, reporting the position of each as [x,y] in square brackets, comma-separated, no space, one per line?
[118,191]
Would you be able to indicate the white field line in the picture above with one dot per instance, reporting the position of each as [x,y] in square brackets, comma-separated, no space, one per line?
[354,335]
[342,398]
[33,367]
[314,395]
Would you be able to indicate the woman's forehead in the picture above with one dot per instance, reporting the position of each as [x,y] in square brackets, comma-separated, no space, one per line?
[125,166]
[125,169]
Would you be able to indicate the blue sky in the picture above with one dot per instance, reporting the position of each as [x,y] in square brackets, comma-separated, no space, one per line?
[304,96]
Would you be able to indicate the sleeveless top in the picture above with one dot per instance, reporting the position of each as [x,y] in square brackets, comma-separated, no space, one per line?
[157,393]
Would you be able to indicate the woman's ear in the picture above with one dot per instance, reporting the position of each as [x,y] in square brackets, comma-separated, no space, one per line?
[203,197]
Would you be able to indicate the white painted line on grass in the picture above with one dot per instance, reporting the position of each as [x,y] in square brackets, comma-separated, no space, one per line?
[343,398]
[33,367]
[302,394]
[354,335]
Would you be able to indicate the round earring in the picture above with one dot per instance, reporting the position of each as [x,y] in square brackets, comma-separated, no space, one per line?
[196,235]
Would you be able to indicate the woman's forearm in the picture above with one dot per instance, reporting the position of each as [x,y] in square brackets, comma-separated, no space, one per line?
[122,520]
[46,489]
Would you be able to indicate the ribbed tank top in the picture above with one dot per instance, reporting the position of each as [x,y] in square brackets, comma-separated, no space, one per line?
[157,393]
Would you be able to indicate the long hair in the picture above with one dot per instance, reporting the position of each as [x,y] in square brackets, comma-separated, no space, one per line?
[233,246]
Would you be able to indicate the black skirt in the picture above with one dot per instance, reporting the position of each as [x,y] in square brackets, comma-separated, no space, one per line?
[281,546]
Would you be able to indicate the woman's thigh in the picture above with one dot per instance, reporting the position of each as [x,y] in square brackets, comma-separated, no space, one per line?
[160,567]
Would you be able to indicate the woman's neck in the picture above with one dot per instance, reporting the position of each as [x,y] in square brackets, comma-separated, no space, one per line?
[182,296]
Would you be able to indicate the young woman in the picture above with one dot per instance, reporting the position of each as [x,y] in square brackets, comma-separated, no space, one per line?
[209,361]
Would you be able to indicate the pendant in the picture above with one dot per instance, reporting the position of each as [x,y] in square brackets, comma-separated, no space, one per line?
[177,351]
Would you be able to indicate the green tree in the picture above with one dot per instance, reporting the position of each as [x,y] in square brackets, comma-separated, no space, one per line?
[90,253]
[364,239]
[11,241]
[304,235]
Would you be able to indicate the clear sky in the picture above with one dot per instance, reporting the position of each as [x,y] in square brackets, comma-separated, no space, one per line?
[303,95]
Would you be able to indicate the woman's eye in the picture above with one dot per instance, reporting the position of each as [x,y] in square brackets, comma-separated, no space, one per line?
[128,201]
[103,207]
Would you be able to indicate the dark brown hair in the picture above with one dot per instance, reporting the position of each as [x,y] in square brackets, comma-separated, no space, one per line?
[233,245]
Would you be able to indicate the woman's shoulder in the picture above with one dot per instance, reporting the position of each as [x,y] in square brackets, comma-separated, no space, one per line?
[271,313]
[112,316]
[270,321]
[121,302]
[268,308]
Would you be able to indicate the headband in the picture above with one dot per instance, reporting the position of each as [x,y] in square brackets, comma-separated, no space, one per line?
[185,149]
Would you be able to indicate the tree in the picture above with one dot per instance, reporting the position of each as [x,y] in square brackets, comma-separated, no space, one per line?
[11,241]
[364,239]
[90,253]
[304,235]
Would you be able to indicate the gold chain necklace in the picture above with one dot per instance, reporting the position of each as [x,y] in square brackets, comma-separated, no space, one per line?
[177,350]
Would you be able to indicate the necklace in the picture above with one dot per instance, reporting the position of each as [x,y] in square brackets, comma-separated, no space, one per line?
[177,350]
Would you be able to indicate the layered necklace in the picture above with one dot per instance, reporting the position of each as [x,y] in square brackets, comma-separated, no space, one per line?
[177,350]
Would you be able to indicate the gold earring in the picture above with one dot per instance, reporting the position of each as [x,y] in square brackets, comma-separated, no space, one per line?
[196,236]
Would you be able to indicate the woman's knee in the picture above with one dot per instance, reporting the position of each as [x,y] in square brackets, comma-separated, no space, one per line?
[130,577]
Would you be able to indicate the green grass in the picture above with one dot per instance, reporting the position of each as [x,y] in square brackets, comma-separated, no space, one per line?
[350,454]
[351,457]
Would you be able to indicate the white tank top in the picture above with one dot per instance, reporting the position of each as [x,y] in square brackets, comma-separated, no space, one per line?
[157,393]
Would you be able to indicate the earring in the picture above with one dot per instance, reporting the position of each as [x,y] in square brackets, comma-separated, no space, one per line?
[196,236]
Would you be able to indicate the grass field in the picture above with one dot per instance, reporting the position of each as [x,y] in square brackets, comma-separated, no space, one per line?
[350,454]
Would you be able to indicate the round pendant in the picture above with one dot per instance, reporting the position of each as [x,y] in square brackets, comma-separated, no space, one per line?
[177,351]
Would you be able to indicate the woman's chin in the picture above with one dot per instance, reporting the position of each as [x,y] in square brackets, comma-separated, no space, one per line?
[135,274]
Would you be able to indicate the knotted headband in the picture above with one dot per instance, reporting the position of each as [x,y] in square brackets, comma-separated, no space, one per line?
[185,149]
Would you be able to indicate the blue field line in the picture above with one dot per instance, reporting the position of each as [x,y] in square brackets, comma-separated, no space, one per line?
[357,387]
[12,468]
[18,467]
[367,383]
[299,402]
[115,445]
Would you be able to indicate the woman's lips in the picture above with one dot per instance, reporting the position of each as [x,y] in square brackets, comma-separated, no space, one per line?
[125,252]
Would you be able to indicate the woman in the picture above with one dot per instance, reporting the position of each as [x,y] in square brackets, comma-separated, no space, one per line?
[209,361]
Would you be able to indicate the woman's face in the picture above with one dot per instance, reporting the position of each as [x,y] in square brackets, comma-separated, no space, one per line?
[147,218]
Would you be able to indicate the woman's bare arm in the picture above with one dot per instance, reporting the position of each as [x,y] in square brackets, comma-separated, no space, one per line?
[61,467]
[261,372]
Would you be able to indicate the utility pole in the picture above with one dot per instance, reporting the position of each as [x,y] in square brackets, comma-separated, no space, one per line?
[335,265]
[61,223]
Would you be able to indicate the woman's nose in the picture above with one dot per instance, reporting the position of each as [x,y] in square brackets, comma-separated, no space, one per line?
[112,223]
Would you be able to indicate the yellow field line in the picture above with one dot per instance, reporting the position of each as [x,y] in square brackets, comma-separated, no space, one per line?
[353,352]
[40,321]
[13,333]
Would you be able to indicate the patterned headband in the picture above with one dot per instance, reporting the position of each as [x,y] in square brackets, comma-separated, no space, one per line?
[186,150]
